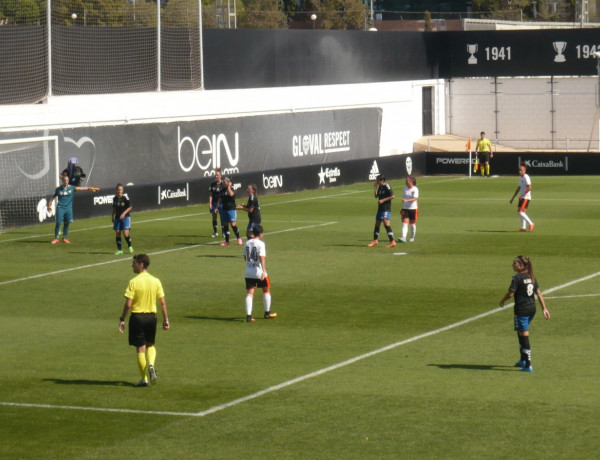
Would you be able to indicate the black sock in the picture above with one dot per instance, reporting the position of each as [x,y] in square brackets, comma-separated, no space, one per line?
[376,233]
[525,349]
[214,226]
[128,239]
[390,232]
[236,231]
[119,243]
[226,231]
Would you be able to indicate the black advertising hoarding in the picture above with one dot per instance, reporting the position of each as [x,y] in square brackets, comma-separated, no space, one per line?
[541,164]
[185,151]
[518,53]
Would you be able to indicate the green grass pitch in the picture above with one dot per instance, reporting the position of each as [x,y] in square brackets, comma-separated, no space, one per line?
[374,354]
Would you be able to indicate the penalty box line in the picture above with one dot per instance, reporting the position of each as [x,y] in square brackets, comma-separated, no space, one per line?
[300,379]
[164,251]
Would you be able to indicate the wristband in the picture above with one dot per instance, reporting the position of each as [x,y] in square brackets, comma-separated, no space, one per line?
[122,320]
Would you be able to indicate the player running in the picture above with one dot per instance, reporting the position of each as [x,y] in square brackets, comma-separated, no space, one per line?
[213,199]
[410,209]
[523,287]
[384,195]
[64,209]
[256,273]
[121,218]
[252,208]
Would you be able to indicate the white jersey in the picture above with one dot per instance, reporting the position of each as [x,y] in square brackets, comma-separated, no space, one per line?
[524,181]
[253,250]
[409,194]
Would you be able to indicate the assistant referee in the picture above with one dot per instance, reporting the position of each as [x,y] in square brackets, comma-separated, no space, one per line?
[140,299]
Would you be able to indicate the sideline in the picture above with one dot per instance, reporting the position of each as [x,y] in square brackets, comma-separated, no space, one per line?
[164,251]
[300,379]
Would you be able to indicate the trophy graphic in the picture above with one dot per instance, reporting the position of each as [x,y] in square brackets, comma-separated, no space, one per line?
[559,47]
[472,49]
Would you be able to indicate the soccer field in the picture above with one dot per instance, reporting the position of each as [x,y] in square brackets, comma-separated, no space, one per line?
[375,353]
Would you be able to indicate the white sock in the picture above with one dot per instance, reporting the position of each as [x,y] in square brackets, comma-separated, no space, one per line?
[404,230]
[267,302]
[413,230]
[248,305]
[525,218]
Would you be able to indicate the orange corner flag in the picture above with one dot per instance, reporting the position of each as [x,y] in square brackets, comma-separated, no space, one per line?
[468,145]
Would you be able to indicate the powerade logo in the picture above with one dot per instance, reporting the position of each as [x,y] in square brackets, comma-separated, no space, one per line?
[207,152]
[320,143]
[270,182]
[452,161]
[106,199]
[174,193]
[330,174]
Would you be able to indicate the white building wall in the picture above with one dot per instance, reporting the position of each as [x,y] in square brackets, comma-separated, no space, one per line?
[526,112]
[401,104]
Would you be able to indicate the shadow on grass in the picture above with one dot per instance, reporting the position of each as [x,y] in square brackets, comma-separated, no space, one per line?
[113,383]
[492,231]
[215,318]
[474,367]
[219,256]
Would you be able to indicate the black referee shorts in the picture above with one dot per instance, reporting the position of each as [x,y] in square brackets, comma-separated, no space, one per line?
[142,329]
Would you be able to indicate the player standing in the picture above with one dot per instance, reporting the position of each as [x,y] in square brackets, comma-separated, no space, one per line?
[484,152]
[523,287]
[140,299]
[213,199]
[121,218]
[410,209]
[64,209]
[256,273]
[384,195]
[252,207]
[228,212]
[524,191]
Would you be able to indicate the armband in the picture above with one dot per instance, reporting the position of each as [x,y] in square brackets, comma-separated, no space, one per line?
[122,320]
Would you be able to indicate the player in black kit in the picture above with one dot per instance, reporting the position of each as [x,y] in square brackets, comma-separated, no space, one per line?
[228,211]
[384,195]
[523,287]
[121,218]
[213,199]
[253,209]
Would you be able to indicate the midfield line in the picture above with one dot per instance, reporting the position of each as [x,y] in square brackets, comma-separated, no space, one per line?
[300,379]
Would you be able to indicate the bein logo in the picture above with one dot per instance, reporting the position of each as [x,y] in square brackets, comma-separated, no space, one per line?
[206,152]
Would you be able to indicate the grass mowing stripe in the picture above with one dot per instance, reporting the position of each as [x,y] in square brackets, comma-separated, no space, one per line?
[180,216]
[165,251]
[302,378]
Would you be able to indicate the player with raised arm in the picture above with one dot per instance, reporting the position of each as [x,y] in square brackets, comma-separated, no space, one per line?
[64,208]
[523,287]
[384,194]
[228,211]
[524,192]
[214,193]
[252,207]
[256,273]
[121,219]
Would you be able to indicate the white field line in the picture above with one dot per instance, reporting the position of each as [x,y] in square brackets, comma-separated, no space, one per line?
[300,379]
[164,251]
[182,216]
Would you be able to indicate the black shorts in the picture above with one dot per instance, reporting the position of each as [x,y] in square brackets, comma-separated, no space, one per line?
[142,329]
[523,204]
[256,283]
[411,214]
[484,157]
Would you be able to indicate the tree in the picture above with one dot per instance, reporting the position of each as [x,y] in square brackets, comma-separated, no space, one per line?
[27,12]
[428,22]
[263,14]
[341,14]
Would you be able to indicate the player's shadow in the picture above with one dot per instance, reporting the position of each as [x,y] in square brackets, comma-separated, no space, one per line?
[215,318]
[474,367]
[111,383]
[491,231]
[218,256]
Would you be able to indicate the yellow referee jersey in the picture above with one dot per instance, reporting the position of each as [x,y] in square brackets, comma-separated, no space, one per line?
[143,290]
[484,145]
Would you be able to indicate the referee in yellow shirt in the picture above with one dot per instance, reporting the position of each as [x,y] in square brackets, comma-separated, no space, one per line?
[140,300]
[484,152]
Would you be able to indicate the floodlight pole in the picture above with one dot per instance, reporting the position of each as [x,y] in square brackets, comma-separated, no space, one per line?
[158,36]
[49,38]
[597,116]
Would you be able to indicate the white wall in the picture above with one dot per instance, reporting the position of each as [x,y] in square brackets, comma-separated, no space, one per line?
[527,111]
[400,101]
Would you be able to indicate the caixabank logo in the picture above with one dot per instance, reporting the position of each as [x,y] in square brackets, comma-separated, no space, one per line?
[174,192]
